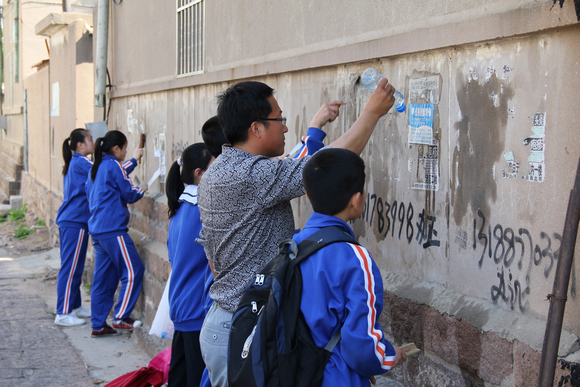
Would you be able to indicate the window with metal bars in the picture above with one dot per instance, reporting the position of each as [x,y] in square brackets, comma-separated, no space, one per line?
[190,36]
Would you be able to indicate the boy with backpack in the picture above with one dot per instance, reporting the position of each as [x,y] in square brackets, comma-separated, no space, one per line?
[342,285]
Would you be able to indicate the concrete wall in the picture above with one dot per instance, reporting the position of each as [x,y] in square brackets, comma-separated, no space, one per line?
[32,50]
[468,246]
[71,89]
[50,123]
[39,139]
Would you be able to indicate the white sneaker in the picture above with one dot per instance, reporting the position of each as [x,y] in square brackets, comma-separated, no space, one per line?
[68,320]
[82,312]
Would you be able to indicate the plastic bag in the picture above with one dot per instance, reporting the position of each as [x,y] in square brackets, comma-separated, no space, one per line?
[161,362]
[162,325]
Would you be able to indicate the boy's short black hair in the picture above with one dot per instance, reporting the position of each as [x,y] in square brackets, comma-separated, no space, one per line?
[240,105]
[213,136]
[331,177]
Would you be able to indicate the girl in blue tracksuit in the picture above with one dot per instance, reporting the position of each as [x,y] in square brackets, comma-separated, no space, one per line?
[72,219]
[109,189]
[189,265]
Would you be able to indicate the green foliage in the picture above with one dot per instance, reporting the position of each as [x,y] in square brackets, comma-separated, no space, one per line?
[41,223]
[22,232]
[3,218]
[15,215]
[88,288]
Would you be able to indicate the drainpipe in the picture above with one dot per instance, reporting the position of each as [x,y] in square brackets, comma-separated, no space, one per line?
[560,290]
[65,5]
[102,38]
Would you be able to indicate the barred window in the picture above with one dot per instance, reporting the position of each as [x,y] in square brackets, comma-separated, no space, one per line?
[190,36]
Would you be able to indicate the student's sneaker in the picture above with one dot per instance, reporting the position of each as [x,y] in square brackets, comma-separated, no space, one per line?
[104,332]
[68,320]
[126,323]
[82,312]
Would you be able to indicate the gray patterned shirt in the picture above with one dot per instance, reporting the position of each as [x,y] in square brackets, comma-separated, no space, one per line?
[244,201]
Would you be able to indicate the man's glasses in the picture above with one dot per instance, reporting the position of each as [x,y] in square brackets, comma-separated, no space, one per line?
[282,120]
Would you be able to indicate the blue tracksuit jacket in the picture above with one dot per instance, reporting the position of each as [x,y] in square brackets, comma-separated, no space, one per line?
[74,211]
[311,143]
[189,265]
[108,197]
[342,286]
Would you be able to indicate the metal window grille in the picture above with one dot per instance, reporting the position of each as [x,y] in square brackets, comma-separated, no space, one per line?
[190,36]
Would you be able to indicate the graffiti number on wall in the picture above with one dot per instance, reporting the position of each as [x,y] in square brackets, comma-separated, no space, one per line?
[398,220]
[504,247]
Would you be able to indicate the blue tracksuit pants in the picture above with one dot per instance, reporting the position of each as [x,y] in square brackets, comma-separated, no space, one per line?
[115,259]
[73,251]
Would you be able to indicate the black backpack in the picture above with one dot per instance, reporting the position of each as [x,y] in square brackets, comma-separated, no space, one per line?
[270,343]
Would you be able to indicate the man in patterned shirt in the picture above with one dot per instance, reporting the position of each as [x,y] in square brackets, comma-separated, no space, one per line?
[244,197]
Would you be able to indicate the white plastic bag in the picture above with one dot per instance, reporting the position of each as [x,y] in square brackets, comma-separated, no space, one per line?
[162,325]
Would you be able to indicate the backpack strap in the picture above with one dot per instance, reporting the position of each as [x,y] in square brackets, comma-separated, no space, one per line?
[333,341]
[320,239]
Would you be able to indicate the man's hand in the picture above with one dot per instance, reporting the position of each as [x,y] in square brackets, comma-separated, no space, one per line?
[400,356]
[381,100]
[327,113]
[138,153]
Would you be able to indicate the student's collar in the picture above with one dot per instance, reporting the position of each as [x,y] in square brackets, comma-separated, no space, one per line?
[318,220]
[76,154]
[189,195]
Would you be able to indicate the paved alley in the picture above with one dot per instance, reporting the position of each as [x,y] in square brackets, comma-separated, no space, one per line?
[36,352]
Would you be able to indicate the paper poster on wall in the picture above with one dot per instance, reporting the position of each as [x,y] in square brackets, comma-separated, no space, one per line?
[429,161]
[426,88]
[421,124]
[537,146]
[55,111]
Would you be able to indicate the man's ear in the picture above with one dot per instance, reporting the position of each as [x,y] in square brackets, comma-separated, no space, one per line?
[254,129]
[307,196]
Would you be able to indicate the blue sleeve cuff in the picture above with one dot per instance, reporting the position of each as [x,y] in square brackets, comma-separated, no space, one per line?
[316,134]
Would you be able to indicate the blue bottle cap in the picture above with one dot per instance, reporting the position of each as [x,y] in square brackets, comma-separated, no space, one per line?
[401,108]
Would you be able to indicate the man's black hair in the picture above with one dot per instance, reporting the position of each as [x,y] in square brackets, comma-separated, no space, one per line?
[213,136]
[331,177]
[240,105]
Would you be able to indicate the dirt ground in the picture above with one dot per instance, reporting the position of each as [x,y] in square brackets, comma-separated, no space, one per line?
[42,239]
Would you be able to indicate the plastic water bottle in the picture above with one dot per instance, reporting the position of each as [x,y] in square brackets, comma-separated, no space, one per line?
[370,79]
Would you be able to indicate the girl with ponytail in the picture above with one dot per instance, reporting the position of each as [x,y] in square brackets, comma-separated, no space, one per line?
[190,269]
[72,218]
[109,190]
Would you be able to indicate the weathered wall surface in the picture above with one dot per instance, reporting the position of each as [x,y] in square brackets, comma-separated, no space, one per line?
[467,246]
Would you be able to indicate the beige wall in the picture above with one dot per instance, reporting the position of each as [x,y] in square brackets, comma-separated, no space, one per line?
[475,129]
[71,68]
[39,158]
[13,101]
[32,51]
[71,72]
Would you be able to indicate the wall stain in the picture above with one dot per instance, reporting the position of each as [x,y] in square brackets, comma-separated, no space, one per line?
[572,374]
[576,6]
[481,143]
